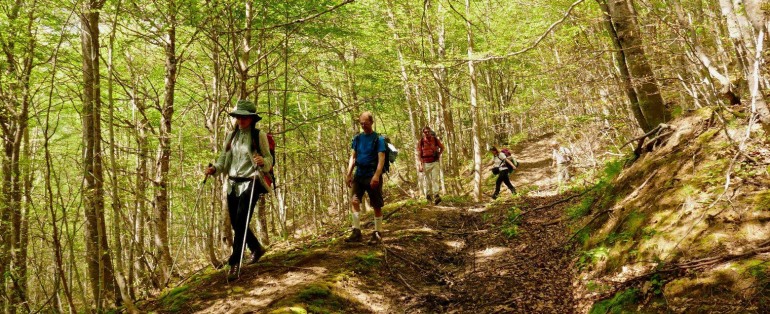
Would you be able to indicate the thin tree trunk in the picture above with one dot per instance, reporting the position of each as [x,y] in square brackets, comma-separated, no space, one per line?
[162,202]
[97,250]
[49,196]
[414,131]
[476,127]
[116,200]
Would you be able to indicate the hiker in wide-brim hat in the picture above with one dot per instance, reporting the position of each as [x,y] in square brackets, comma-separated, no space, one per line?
[245,108]
[246,155]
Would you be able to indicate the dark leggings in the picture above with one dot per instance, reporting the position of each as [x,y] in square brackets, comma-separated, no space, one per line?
[238,207]
[503,178]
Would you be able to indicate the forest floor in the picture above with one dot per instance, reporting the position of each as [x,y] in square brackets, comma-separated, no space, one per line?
[503,256]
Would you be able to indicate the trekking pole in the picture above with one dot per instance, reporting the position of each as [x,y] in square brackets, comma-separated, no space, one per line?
[200,190]
[248,217]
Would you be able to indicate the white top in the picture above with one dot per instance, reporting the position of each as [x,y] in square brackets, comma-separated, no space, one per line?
[560,155]
[500,161]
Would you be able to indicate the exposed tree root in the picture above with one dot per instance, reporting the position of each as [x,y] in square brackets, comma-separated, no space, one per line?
[678,269]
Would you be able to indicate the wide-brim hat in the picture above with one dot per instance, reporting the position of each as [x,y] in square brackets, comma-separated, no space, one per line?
[245,108]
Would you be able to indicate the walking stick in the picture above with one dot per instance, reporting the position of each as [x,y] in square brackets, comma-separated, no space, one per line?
[200,190]
[248,217]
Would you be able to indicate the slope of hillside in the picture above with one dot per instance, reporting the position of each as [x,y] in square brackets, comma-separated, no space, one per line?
[684,228]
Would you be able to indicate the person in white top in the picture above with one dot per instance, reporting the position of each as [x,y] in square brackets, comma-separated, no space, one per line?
[504,165]
[562,157]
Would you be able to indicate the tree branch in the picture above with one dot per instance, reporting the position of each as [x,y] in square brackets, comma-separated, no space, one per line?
[539,39]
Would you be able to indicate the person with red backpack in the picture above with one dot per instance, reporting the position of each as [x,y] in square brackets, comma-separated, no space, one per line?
[430,149]
[504,164]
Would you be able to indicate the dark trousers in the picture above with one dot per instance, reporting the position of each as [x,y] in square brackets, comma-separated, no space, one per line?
[239,208]
[503,178]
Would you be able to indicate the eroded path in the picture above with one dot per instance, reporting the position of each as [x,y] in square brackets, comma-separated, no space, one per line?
[452,258]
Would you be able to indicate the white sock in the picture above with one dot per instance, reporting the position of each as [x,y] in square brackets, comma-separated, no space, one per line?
[356,221]
[378,224]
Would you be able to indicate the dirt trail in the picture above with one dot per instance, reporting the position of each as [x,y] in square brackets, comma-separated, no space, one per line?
[452,258]
[535,169]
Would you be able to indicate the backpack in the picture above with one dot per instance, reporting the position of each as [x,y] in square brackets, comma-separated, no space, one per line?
[509,155]
[391,152]
[271,141]
[435,144]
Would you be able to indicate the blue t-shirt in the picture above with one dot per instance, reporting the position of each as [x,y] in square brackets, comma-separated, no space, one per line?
[366,153]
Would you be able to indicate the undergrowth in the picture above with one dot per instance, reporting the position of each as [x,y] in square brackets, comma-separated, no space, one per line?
[601,191]
[619,303]
[510,227]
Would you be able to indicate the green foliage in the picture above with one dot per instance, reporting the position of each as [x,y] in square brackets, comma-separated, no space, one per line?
[657,283]
[456,199]
[320,298]
[314,291]
[601,192]
[620,303]
[290,310]
[173,300]
[762,201]
[363,263]
[510,227]
[581,209]
[593,255]
[630,227]
[517,138]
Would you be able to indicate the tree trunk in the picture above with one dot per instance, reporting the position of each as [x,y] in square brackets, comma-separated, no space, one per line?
[444,100]
[756,16]
[638,79]
[476,127]
[116,199]
[97,251]
[164,152]
[414,130]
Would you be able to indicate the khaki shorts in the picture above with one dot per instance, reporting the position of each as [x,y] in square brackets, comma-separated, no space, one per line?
[361,185]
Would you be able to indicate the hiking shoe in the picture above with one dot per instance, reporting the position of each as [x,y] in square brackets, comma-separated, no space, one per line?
[233,273]
[437,199]
[355,236]
[376,238]
[494,196]
[256,255]
[429,198]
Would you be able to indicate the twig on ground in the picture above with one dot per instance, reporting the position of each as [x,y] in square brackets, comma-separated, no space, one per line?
[406,284]
[387,250]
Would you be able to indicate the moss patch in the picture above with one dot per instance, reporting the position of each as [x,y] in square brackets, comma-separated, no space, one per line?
[622,302]
[173,300]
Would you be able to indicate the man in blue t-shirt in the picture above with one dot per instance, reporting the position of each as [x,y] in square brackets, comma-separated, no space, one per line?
[368,157]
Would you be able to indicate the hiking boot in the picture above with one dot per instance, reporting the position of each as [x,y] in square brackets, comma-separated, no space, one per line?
[233,273]
[429,198]
[494,196]
[376,238]
[355,236]
[437,199]
[256,255]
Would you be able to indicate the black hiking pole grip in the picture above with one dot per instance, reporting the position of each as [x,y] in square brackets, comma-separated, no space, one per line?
[207,175]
